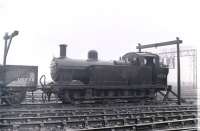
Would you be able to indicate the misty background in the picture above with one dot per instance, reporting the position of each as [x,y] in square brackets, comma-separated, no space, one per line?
[111,27]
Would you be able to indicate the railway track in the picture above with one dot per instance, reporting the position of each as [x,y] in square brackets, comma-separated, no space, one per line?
[35,114]
[63,117]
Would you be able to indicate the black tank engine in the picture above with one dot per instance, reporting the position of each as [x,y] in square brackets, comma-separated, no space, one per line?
[137,76]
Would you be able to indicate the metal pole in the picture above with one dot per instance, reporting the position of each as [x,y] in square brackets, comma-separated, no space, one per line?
[6,49]
[6,37]
[196,68]
[178,73]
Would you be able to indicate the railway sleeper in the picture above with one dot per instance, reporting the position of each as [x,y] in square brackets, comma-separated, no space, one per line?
[61,112]
[149,127]
[95,114]
[127,116]
[189,128]
[79,124]
[109,113]
[166,124]
[117,108]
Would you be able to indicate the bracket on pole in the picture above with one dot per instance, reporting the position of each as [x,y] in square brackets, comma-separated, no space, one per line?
[159,44]
[177,42]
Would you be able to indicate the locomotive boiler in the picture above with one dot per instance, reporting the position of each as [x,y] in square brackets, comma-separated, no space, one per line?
[137,77]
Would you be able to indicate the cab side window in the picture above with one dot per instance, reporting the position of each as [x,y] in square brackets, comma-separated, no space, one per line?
[145,61]
[149,61]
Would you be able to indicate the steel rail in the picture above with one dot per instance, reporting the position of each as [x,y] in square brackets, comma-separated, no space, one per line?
[139,122]
[166,125]
[93,114]
[54,106]
[102,118]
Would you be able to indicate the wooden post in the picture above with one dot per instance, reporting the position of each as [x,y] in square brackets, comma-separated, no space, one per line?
[178,73]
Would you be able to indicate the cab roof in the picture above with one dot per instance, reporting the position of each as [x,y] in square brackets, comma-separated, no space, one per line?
[143,54]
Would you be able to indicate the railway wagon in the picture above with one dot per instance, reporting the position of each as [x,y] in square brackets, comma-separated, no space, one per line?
[137,77]
[15,81]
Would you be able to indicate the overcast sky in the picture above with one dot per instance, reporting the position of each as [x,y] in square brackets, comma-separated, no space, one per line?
[111,27]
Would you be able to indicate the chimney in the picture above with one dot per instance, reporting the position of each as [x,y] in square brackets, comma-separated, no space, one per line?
[63,50]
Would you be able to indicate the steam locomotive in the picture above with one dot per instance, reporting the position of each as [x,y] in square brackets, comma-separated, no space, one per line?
[137,76]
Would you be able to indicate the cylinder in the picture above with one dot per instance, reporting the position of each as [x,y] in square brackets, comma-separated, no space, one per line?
[63,50]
